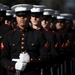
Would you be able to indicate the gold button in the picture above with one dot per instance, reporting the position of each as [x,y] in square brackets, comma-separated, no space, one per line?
[22,38]
[22,34]
[22,43]
[22,47]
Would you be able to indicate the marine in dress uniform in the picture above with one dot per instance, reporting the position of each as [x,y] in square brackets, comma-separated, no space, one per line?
[51,38]
[71,35]
[35,21]
[3,30]
[26,39]
[36,17]
[47,17]
[63,42]
[9,17]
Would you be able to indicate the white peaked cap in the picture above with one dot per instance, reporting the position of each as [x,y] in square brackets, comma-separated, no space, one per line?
[7,7]
[48,12]
[21,7]
[18,9]
[34,10]
[40,6]
[57,12]
[60,17]
[9,12]
[14,6]
[4,8]
[66,14]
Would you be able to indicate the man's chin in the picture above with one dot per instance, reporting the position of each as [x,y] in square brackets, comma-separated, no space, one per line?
[23,25]
[35,24]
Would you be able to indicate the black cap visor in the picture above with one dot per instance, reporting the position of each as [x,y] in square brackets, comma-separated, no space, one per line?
[46,17]
[8,18]
[23,13]
[36,14]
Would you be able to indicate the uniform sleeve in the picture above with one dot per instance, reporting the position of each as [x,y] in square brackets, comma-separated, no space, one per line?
[5,55]
[44,48]
[70,43]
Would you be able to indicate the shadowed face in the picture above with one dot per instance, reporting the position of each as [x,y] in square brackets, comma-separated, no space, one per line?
[23,20]
[36,19]
[44,23]
[59,25]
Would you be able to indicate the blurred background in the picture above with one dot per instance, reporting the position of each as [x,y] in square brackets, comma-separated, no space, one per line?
[61,5]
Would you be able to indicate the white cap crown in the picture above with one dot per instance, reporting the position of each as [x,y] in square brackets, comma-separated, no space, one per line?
[37,10]
[48,12]
[60,17]
[9,12]
[21,7]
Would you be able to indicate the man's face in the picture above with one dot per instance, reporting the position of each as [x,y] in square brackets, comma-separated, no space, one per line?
[23,21]
[44,23]
[7,22]
[36,20]
[59,25]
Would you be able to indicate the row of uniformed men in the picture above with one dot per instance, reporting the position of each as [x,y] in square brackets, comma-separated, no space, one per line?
[59,40]
[10,13]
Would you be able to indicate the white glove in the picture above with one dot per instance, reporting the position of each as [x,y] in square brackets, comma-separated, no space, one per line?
[24,57]
[20,66]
